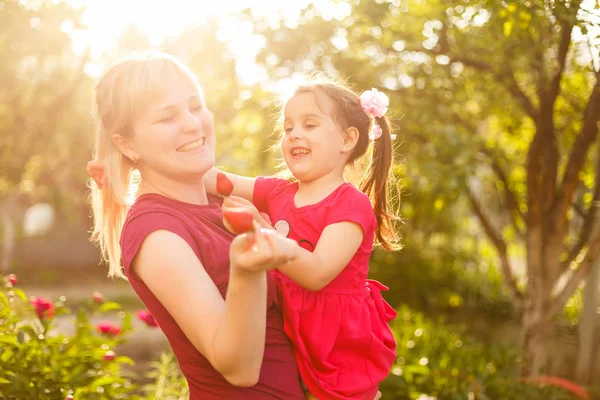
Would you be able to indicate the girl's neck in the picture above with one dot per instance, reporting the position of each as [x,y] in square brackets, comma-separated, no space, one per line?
[192,191]
[316,190]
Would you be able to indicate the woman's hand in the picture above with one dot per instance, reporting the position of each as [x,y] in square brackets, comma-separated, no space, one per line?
[261,250]
[239,202]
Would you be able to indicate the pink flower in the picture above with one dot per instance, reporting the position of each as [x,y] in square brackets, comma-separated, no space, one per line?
[108,328]
[97,297]
[43,308]
[374,102]
[69,397]
[109,355]
[145,316]
[12,278]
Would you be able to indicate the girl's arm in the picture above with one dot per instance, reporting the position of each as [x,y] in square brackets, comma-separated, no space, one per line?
[243,186]
[336,247]
[229,333]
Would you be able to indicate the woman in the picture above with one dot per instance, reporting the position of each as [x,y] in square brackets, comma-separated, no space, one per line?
[206,289]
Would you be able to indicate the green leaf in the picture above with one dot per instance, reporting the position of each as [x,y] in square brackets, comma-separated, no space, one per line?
[125,360]
[20,294]
[6,355]
[110,306]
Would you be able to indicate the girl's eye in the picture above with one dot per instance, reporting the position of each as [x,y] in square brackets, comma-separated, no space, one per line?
[309,126]
[196,108]
[287,130]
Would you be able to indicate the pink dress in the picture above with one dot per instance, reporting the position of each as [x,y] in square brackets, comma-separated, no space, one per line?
[343,344]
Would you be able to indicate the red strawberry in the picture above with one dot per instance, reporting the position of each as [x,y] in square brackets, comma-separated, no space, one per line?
[224,185]
[238,220]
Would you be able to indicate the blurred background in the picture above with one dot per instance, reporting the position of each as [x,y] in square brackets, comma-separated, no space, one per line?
[496,108]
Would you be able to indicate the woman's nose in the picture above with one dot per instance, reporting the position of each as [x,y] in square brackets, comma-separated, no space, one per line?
[191,123]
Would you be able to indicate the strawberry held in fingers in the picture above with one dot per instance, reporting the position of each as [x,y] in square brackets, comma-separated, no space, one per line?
[224,185]
[238,221]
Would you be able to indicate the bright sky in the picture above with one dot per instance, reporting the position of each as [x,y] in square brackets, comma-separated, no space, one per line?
[159,19]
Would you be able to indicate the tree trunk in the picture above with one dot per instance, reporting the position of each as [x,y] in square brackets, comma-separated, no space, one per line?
[536,336]
[587,326]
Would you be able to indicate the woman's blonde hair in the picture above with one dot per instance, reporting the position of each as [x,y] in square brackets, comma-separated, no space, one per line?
[122,93]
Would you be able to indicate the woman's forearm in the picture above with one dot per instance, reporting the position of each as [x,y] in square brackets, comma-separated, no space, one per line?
[240,338]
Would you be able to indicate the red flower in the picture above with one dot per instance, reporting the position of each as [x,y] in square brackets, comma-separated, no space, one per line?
[97,297]
[12,278]
[43,308]
[69,397]
[109,355]
[108,328]
[238,220]
[145,316]
[224,185]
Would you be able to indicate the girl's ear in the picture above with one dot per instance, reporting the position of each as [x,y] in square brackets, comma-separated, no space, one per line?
[350,139]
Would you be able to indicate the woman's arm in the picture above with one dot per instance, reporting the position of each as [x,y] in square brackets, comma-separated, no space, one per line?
[229,333]
[243,186]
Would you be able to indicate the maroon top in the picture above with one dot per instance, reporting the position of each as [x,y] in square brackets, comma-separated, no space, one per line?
[201,226]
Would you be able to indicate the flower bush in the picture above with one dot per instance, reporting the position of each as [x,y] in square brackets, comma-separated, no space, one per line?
[435,361]
[40,363]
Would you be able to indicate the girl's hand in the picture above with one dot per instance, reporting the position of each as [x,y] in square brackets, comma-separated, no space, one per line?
[261,250]
[95,170]
[239,202]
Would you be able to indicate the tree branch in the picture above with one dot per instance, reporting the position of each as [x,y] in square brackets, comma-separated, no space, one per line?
[577,276]
[509,196]
[563,49]
[587,135]
[505,77]
[589,220]
[496,238]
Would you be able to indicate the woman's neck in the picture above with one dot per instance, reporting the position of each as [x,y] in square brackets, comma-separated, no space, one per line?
[192,191]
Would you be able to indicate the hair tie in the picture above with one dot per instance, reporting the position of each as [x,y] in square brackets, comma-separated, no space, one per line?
[375,104]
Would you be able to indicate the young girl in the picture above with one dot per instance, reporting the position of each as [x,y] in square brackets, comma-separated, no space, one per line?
[335,317]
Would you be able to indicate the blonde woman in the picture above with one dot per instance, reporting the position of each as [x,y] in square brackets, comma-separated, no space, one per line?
[212,294]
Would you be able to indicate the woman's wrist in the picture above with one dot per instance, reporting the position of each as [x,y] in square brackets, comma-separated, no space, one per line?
[244,273]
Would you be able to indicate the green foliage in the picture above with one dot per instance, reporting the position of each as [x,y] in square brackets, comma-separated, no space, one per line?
[168,382]
[445,362]
[434,359]
[37,362]
[44,103]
